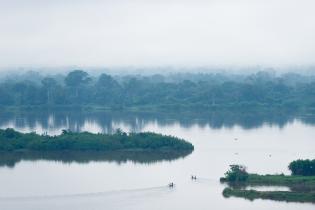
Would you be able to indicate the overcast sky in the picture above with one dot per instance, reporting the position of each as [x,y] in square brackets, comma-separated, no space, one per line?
[157,32]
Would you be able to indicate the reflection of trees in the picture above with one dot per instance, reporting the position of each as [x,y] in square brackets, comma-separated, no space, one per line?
[136,121]
[9,159]
[303,187]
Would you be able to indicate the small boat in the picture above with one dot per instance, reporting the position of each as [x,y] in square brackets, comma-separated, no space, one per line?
[171,185]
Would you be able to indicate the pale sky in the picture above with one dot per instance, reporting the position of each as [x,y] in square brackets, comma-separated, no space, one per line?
[157,32]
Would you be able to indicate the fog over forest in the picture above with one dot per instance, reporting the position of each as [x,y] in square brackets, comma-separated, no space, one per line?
[188,91]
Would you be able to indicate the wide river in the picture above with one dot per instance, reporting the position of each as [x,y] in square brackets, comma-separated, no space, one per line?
[263,143]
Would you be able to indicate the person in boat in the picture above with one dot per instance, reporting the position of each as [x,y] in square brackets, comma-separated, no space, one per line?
[193,177]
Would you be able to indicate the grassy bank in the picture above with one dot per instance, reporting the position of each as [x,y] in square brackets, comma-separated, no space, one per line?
[301,183]
[11,140]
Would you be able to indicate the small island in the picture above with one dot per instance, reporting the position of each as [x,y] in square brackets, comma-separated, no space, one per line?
[301,183]
[11,140]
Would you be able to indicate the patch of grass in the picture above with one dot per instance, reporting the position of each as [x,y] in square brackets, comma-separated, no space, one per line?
[282,180]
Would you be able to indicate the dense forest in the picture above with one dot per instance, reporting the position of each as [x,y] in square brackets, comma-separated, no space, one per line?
[175,91]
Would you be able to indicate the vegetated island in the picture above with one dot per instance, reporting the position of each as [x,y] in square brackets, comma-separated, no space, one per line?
[301,183]
[11,140]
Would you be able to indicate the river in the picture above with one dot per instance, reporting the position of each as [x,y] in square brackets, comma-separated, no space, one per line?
[263,143]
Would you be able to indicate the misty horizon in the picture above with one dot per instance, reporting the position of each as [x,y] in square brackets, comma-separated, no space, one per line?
[145,34]
[159,70]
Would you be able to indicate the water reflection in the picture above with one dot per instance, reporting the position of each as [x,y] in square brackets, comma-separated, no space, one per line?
[266,143]
[53,122]
[10,159]
[301,187]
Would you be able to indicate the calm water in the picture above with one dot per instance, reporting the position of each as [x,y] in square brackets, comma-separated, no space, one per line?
[264,143]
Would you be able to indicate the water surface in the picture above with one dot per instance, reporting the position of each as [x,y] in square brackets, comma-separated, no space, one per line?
[131,181]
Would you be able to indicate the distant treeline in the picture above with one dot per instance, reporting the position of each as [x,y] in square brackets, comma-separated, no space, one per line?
[191,91]
[11,140]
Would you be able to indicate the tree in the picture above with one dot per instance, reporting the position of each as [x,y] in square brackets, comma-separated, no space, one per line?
[106,81]
[75,80]
[237,173]
[107,90]
[302,167]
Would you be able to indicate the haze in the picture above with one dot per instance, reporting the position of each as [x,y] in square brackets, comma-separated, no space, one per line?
[273,33]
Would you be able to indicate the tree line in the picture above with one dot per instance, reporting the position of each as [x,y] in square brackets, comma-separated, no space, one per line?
[212,92]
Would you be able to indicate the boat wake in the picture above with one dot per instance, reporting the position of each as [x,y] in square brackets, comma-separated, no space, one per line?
[91,194]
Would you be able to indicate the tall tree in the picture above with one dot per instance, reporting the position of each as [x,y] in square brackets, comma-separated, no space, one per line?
[75,80]
[107,89]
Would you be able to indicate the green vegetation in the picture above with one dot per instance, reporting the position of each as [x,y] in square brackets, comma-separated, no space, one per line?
[271,195]
[11,140]
[302,188]
[199,92]
[295,183]
[277,180]
[282,180]
[303,167]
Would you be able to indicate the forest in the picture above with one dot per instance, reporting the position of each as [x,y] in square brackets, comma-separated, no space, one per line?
[197,91]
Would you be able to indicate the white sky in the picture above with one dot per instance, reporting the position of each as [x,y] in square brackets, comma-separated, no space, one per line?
[157,32]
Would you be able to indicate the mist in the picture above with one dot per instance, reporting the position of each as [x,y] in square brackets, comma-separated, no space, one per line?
[146,33]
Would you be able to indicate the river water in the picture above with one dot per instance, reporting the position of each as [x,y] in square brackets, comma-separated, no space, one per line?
[265,144]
